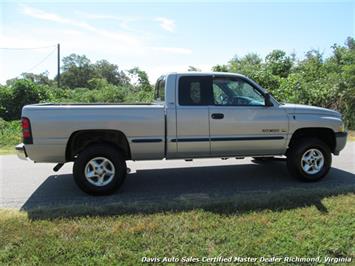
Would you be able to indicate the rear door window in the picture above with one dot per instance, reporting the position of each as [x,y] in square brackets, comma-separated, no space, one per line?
[194,90]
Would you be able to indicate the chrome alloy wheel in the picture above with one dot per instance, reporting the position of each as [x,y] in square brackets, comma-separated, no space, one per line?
[312,161]
[99,171]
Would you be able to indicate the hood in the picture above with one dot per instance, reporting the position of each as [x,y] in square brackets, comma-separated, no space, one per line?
[307,109]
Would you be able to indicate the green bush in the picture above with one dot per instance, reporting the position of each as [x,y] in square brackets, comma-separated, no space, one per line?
[22,92]
[10,133]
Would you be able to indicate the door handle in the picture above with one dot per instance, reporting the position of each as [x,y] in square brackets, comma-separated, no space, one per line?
[217,116]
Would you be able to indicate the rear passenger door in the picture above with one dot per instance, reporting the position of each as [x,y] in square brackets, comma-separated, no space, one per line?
[193,133]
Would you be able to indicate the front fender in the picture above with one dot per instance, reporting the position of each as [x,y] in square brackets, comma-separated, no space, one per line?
[298,121]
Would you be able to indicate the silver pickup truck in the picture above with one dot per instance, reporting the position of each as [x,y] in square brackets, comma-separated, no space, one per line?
[195,115]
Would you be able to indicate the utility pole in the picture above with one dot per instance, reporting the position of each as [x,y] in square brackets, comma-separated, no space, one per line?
[58,62]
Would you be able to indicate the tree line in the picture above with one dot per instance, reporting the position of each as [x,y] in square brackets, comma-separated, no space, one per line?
[81,82]
[317,80]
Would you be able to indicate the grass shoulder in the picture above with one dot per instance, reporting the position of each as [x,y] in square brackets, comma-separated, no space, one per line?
[6,150]
[126,238]
[10,136]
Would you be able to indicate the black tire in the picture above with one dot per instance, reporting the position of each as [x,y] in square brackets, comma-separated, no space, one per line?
[100,151]
[296,152]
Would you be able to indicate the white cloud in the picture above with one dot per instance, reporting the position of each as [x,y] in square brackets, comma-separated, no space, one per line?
[166,23]
[78,34]
[123,20]
[173,50]
[40,14]
[43,15]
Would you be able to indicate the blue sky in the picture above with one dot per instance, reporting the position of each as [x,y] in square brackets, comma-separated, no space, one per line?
[161,37]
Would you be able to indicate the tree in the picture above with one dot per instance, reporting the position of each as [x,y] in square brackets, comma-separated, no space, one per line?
[220,68]
[20,93]
[110,72]
[77,71]
[41,78]
[75,60]
[139,78]
[312,66]
[144,92]
[279,63]
[246,64]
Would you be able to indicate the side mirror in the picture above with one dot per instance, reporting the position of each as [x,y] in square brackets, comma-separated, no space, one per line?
[268,100]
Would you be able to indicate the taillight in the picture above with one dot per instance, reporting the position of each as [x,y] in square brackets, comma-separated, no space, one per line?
[26,131]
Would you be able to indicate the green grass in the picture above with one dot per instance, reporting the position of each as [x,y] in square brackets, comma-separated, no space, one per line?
[123,239]
[10,136]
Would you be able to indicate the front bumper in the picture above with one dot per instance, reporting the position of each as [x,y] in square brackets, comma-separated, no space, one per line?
[340,141]
[21,151]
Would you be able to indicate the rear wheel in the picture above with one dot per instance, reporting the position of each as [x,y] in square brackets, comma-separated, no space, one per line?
[99,170]
[309,160]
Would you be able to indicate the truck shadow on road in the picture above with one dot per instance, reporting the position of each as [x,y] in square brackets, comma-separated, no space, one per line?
[224,189]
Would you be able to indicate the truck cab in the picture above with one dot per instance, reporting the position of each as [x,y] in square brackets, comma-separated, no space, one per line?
[221,115]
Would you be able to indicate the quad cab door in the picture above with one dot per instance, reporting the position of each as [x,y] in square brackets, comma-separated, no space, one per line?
[241,123]
[193,132]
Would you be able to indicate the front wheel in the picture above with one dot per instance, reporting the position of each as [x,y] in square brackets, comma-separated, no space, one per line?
[309,160]
[99,170]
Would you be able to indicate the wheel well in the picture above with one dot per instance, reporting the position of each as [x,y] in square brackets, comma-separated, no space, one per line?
[325,134]
[79,140]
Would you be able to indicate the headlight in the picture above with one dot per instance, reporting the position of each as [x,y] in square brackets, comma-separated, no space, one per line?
[341,128]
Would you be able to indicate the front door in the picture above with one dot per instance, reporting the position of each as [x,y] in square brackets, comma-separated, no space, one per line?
[241,124]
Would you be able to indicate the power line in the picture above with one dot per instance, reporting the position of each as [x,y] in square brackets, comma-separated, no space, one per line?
[26,48]
[40,62]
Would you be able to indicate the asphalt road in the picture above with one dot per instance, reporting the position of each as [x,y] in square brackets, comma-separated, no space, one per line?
[26,185]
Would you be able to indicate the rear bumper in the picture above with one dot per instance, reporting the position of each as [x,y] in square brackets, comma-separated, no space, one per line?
[340,141]
[21,151]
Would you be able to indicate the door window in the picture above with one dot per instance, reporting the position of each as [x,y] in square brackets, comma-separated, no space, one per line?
[193,90]
[236,92]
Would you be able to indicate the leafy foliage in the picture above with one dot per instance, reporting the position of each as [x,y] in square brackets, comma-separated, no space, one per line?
[22,92]
[78,71]
[10,134]
[103,84]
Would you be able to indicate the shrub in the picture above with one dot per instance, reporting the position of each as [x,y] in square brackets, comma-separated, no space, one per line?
[10,133]
[20,93]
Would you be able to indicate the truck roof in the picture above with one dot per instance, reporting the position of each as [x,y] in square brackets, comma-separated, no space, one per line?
[194,73]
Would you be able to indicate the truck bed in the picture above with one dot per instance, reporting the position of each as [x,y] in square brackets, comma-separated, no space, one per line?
[53,124]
